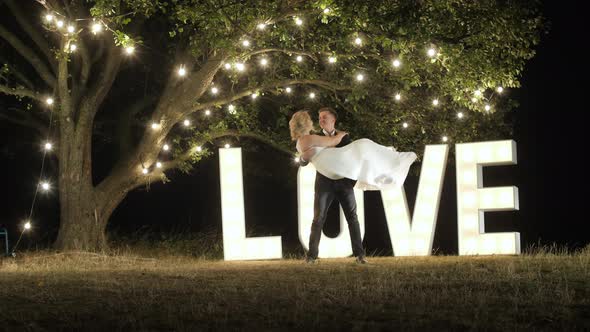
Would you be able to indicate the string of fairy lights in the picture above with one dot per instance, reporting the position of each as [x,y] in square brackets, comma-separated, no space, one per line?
[54,21]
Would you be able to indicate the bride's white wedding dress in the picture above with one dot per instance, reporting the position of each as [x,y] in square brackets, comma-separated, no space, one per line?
[374,166]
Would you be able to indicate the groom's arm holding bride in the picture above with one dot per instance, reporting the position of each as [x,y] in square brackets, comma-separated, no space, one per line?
[341,138]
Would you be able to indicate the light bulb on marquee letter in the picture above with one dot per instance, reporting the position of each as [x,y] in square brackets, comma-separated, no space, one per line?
[473,200]
[329,247]
[416,238]
[236,246]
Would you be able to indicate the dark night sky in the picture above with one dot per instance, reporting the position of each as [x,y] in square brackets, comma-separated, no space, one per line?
[548,132]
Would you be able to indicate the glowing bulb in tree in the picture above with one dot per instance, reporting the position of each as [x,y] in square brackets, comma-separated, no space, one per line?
[227,146]
[396,63]
[298,21]
[312,95]
[360,77]
[96,28]
[71,28]
[48,146]
[48,17]
[27,225]
[261,26]
[405,125]
[288,90]
[144,171]
[460,115]
[207,112]
[158,165]
[431,52]
[445,138]
[59,24]
[181,71]
[358,41]
[299,58]
[166,147]
[186,123]
[45,186]
[246,43]
[332,59]
[49,101]
[199,149]
[500,89]
[263,62]
[240,66]
[214,90]
[435,102]
[129,50]
[398,97]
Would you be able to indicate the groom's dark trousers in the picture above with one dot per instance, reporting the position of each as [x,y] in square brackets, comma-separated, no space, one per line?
[326,191]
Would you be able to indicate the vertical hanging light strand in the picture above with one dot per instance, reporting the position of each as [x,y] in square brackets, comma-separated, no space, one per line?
[28,221]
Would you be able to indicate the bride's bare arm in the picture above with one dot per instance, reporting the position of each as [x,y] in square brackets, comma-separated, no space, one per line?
[324,141]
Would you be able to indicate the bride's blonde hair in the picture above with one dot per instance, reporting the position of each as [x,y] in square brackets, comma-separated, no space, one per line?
[300,124]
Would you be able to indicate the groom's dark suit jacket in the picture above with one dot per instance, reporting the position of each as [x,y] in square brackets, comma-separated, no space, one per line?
[323,183]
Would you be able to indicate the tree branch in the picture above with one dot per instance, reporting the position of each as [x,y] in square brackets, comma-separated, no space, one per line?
[25,119]
[21,92]
[286,51]
[320,83]
[29,55]
[35,35]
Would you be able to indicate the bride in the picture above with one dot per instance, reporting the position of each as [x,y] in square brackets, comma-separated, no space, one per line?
[374,166]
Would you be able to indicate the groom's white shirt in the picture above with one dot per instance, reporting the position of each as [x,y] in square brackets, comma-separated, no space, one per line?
[329,134]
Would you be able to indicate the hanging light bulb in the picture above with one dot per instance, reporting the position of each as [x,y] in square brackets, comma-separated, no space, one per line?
[261,26]
[207,112]
[254,95]
[27,225]
[73,48]
[474,100]
[181,71]
[332,59]
[398,97]
[70,29]
[240,66]
[288,90]
[477,93]
[360,77]
[96,28]
[49,101]
[155,126]
[326,10]
[199,149]
[231,108]
[129,50]
[500,89]
[48,146]
[488,107]
[144,170]
[312,95]
[396,63]
[59,24]
[299,58]
[460,115]
[186,123]
[431,52]
[227,146]
[296,159]
[435,102]
[159,164]
[298,21]
[166,147]
[214,90]
[358,41]
[246,43]
[227,66]
[48,17]
[405,125]
[444,138]
[45,186]
[263,62]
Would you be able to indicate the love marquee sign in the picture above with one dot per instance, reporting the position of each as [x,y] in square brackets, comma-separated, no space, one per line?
[409,235]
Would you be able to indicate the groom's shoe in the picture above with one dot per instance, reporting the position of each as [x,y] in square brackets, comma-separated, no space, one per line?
[361,260]
[310,260]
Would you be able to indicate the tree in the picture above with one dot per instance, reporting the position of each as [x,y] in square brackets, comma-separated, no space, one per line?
[163,82]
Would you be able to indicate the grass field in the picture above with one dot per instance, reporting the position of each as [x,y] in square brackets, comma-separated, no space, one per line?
[543,290]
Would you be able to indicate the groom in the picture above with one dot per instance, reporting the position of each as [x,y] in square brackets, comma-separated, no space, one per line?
[326,190]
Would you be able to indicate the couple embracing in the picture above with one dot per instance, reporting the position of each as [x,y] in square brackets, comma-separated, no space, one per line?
[342,165]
